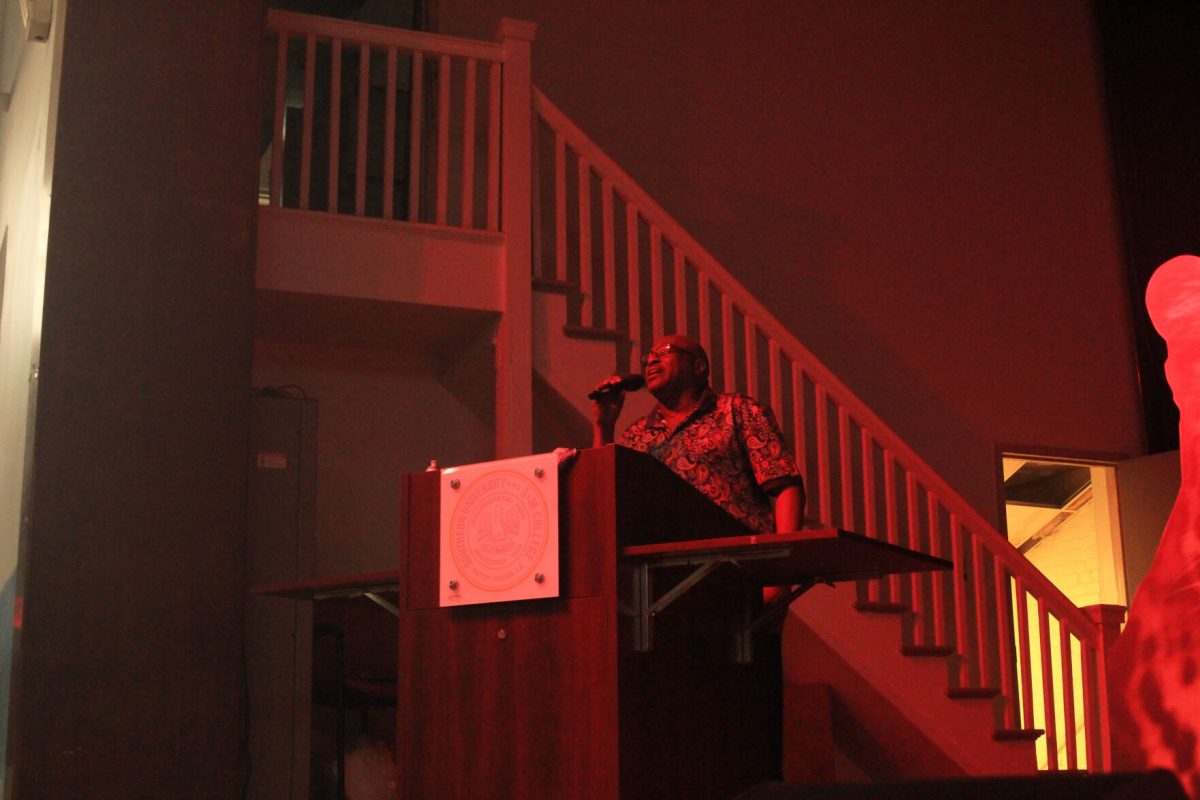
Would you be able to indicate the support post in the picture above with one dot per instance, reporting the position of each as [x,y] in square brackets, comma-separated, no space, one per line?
[513,350]
[1109,619]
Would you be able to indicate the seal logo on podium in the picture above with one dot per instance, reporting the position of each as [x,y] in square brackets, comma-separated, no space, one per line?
[499,530]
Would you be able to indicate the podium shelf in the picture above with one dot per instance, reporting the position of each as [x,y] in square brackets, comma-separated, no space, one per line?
[371,585]
[782,559]
[796,561]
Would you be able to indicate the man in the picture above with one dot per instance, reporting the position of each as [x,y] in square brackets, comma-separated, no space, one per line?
[728,446]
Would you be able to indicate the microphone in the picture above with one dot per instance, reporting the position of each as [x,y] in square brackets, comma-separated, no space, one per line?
[628,383]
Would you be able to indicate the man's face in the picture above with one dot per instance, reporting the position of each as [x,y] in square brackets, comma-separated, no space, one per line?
[670,366]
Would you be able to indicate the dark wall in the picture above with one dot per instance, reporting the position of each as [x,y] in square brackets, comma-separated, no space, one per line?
[129,670]
[1151,75]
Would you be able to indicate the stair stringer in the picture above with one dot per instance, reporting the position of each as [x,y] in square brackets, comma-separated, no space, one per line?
[573,365]
[916,687]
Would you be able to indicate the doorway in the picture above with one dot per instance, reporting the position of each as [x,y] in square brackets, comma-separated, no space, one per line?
[1062,515]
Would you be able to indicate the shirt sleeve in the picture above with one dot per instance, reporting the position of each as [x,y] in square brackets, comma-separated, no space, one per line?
[768,454]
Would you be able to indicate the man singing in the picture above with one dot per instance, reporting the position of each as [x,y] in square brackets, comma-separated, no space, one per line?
[728,446]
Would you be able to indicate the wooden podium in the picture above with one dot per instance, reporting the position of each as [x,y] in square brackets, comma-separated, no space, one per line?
[553,698]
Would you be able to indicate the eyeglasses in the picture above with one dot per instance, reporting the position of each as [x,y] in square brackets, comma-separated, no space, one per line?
[660,353]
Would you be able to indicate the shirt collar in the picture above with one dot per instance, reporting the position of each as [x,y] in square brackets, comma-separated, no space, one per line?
[708,400]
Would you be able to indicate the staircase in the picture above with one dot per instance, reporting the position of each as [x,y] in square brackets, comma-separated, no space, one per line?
[584,269]
[888,693]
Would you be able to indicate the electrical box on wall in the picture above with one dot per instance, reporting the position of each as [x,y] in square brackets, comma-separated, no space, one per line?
[280,541]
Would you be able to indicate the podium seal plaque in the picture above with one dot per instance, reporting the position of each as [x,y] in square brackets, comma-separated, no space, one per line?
[499,531]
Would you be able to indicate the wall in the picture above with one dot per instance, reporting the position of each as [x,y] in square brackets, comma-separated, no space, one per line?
[379,415]
[128,682]
[1068,557]
[26,169]
[920,191]
[1148,489]
[1151,73]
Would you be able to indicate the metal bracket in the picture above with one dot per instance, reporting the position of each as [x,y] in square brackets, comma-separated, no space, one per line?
[382,603]
[643,608]
[743,645]
[374,593]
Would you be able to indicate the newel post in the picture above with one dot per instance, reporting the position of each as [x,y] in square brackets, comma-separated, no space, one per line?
[514,350]
[1108,619]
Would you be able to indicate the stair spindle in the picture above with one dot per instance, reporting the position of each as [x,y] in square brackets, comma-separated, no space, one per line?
[1025,660]
[1067,658]
[939,578]
[680,275]
[913,508]
[1047,666]
[360,150]
[657,307]
[493,173]
[824,488]
[468,177]
[415,106]
[634,287]
[845,468]
[560,208]
[335,128]
[610,258]
[870,524]
[442,200]
[277,133]
[389,139]
[306,146]
[584,187]
[729,373]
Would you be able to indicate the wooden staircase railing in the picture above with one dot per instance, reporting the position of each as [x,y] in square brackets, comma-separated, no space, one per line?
[639,272]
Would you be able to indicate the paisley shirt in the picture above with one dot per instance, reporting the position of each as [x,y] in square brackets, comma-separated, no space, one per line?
[730,448]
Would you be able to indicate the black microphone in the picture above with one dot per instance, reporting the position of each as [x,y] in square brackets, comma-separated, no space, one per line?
[628,383]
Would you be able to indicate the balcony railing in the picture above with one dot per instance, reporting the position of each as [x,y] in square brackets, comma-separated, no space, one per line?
[382,122]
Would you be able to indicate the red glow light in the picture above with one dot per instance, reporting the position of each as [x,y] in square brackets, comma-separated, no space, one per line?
[1154,668]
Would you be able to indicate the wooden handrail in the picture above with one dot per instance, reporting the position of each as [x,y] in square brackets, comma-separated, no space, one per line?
[383,36]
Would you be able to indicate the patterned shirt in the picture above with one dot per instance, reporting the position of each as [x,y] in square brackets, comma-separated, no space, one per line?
[730,448]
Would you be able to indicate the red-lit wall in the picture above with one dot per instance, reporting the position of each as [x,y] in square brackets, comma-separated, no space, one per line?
[920,191]
[128,682]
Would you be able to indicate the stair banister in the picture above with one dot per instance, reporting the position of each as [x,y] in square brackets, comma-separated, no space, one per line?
[994,616]
[798,353]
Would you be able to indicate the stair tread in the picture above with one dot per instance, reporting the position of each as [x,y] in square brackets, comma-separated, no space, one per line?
[1018,734]
[586,332]
[940,650]
[553,285]
[880,607]
[972,693]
